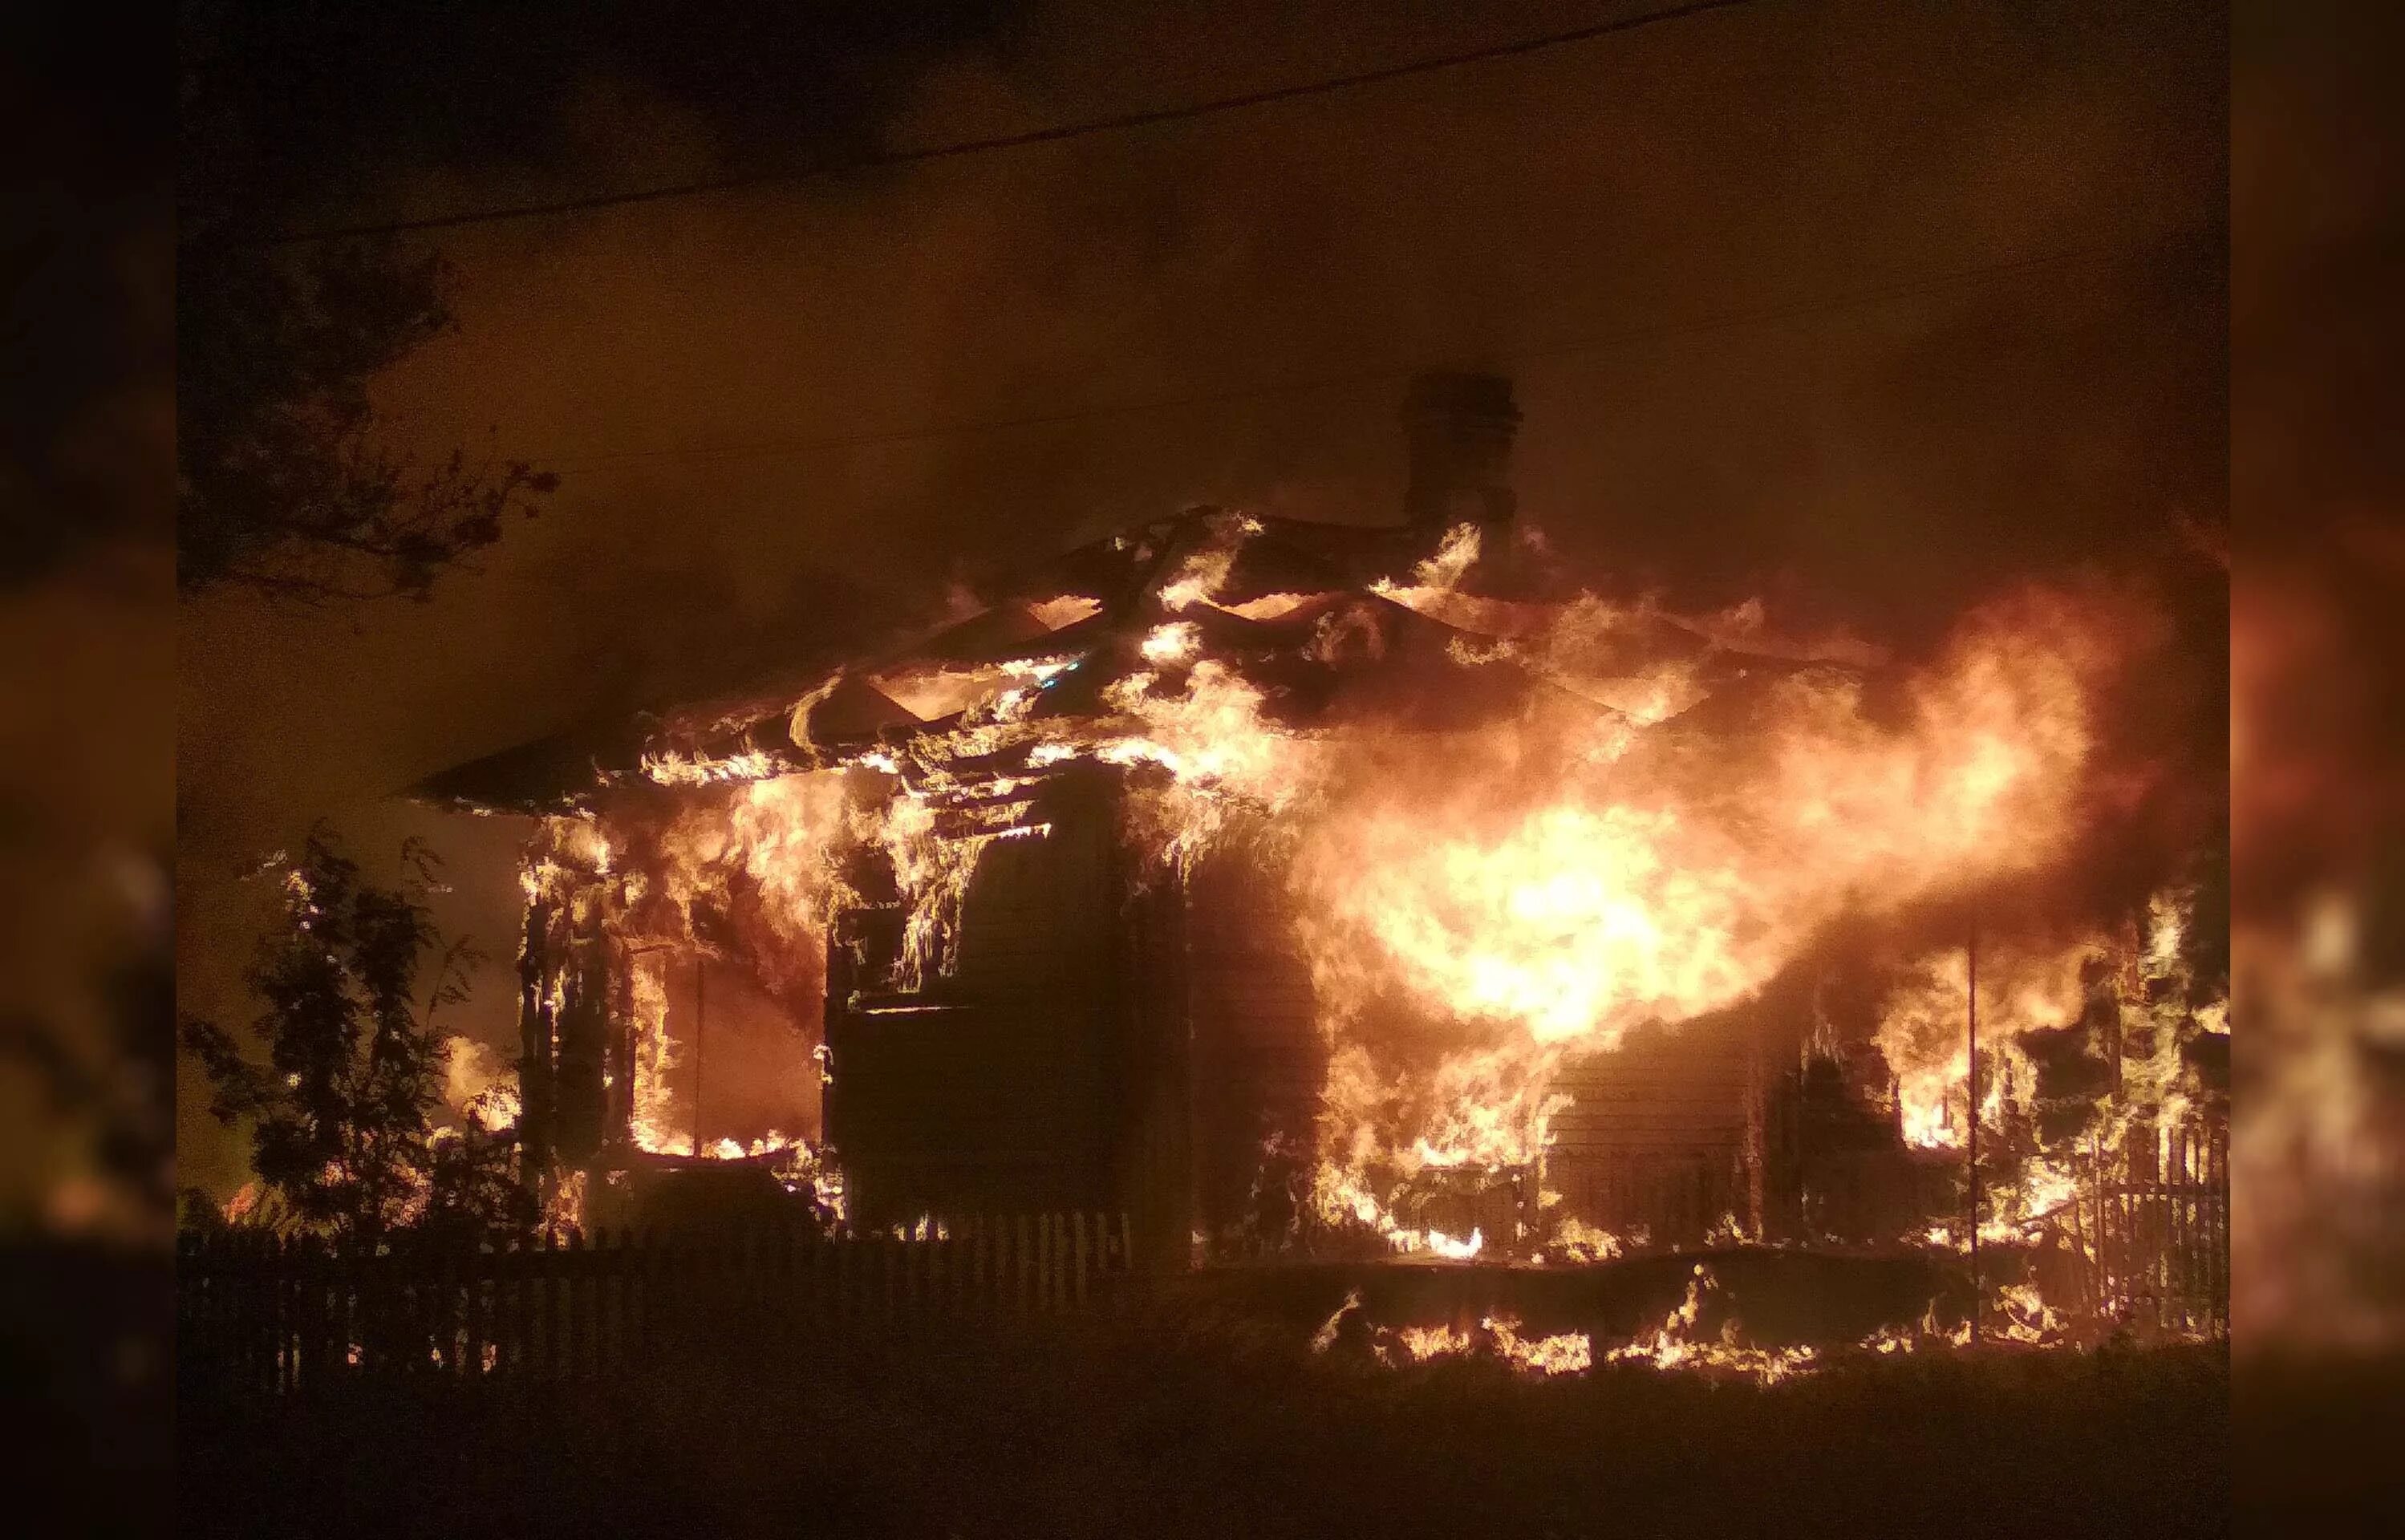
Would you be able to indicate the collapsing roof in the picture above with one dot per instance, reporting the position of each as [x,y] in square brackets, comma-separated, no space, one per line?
[1329,620]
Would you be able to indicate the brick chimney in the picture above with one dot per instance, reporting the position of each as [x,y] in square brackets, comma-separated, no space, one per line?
[1459,425]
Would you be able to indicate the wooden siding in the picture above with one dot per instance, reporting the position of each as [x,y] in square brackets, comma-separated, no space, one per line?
[1259,1060]
[991,1088]
[1660,1134]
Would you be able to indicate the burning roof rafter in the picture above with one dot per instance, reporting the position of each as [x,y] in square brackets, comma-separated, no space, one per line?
[1288,604]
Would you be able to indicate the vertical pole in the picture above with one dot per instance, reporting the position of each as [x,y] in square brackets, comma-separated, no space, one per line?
[700,983]
[537,1067]
[1971,969]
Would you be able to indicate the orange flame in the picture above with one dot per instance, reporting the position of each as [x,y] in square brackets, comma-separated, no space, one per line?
[1678,811]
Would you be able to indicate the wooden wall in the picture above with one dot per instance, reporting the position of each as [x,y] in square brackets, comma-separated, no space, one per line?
[989,1088]
[1259,1062]
[1662,1132]
[1106,1038]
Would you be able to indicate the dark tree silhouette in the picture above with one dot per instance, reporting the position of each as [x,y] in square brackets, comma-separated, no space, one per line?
[343,1135]
[281,485]
[296,117]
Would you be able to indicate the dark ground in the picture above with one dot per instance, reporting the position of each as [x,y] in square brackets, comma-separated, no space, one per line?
[1134,1427]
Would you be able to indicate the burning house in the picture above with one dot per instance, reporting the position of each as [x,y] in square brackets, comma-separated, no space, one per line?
[1289,887]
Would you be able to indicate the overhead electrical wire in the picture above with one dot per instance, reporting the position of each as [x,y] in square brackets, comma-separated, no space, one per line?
[884,160]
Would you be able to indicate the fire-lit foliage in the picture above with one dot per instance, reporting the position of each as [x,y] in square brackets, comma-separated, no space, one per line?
[342,1115]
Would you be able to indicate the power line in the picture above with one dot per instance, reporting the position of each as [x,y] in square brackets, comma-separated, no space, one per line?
[1906,288]
[884,159]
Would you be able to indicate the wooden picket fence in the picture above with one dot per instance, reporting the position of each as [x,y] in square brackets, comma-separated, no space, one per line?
[261,1313]
[2161,1241]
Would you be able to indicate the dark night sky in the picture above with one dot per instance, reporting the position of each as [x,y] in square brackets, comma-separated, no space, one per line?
[1693,195]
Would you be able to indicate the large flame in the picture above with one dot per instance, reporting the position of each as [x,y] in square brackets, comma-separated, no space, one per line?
[1678,811]
[1548,884]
